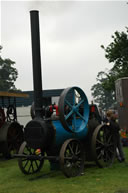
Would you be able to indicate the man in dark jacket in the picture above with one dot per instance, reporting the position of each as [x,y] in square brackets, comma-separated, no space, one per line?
[115,128]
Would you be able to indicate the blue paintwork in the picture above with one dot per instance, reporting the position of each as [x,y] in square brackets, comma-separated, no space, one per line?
[77,126]
[62,134]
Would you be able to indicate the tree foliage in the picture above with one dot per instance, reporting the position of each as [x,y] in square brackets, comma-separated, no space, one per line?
[8,74]
[117,54]
[102,96]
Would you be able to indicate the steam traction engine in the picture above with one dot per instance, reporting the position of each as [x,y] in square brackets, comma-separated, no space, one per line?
[66,138]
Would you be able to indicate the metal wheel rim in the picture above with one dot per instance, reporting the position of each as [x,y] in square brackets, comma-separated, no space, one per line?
[73,121]
[103,146]
[70,166]
[28,166]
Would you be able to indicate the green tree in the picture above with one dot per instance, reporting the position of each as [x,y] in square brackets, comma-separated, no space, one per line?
[117,54]
[8,74]
[104,98]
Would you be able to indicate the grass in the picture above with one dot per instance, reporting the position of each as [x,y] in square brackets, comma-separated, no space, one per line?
[95,180]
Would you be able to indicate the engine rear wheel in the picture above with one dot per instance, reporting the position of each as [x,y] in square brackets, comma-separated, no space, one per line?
[72,158]
[103,146]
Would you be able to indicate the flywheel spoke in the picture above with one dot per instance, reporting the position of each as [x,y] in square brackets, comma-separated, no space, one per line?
[80,116]
[69,115]
[68,103]
[80,103]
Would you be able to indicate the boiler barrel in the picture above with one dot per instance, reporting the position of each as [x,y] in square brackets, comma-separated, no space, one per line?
[62,135]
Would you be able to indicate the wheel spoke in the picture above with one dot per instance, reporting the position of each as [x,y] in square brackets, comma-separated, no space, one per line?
[71,150]
[24,159]
[112,151]
[27,165]
[110,145]
[99,147]
[68,103]
[80,116]
[77,150]
[32,166]
[109,139]
[68,115]
[103,146]
[100,142]
[80,103]
[36,163]
[100,155]
[71,165]
[72,106]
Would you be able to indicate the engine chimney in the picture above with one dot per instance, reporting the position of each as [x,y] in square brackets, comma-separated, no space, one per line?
[36,59]
[37,133]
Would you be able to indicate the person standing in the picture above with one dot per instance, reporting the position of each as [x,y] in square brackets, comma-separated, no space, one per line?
[115,128]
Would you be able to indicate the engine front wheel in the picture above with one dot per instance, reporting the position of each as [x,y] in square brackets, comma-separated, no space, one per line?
[26,164]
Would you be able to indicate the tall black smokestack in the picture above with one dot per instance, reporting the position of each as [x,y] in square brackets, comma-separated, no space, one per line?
[36,58]
[37,133]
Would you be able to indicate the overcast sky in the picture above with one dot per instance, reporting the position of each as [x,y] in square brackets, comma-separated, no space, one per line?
[71,34]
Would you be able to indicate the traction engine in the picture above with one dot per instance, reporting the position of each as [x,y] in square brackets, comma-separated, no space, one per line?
[64,134]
